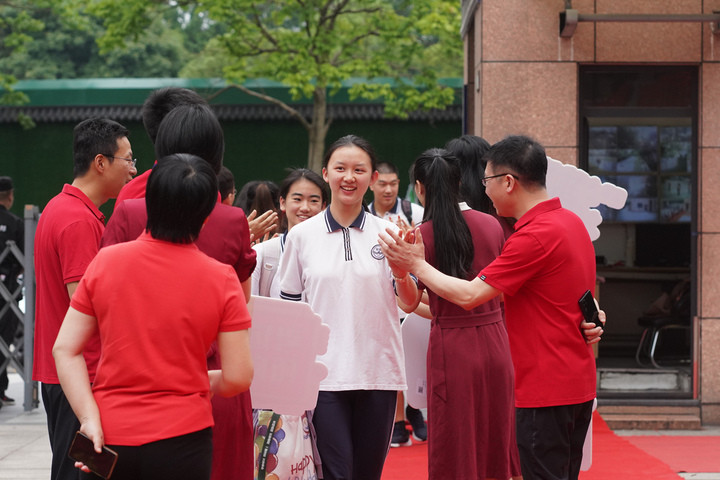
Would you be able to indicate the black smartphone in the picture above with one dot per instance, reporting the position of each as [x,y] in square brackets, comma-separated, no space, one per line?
[83,450]
[589,309]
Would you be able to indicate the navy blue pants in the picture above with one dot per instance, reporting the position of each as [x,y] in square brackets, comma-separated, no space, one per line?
[353,432]
[550,440]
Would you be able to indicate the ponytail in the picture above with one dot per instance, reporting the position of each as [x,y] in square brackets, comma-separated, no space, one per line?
[439,172]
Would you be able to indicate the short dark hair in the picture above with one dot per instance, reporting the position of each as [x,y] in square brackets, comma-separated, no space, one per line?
[160,102]
[387,167]
[192,129]
[522,155]
[226,182]
[181,193]
[350,141]
[95,136]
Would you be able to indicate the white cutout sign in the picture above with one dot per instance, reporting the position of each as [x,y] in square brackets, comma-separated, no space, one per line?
[285,340]
[415,334]
[580,192]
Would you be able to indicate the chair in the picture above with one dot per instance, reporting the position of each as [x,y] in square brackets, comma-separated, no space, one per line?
[656,326]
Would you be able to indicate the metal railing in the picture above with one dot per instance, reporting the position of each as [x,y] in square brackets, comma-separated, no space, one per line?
[19,352]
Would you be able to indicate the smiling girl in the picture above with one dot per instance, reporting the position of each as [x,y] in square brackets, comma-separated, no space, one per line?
[303,194]
[333,262]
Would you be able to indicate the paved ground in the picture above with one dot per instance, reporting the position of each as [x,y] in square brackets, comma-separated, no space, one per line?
[25,449]
[24,446]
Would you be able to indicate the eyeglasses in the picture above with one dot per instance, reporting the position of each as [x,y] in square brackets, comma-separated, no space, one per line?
[132,161]
[485,179]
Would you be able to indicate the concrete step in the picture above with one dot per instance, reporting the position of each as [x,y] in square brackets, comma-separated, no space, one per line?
[634,417]
[640,380]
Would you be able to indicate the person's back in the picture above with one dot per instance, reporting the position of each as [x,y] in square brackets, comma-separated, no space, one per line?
[169,332]
[219,238]
[156,106]
[488,239]
[195,129]
[151,398]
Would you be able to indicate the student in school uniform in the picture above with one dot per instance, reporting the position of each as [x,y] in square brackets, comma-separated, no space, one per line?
[333,262]
[303,194]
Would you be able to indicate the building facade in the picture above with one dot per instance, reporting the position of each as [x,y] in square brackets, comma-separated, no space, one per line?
[630,91]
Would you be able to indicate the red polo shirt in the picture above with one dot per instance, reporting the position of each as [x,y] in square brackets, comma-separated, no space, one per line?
[543,270]
[156,329]
[135,188]
[66,240]
[225,236]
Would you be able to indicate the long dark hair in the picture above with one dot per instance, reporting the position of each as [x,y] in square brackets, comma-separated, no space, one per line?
[469,150]
[437,169]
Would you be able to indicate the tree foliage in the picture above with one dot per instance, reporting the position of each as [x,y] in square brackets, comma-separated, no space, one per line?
[400,46]
[62,49]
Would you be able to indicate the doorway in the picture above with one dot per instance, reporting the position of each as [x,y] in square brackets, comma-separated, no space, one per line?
[639,131]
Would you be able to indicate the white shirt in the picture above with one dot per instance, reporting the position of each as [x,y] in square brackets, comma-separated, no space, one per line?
[396,212]
[346,279]
[268,255]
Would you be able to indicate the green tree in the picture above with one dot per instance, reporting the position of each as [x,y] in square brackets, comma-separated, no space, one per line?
[16,25]
[312,46]
[62,50]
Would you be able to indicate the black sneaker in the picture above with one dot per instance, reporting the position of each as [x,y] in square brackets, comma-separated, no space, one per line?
[5,400]
[417,422]
[400,436]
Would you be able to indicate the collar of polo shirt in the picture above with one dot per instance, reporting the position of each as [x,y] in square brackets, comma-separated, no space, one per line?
[333,225]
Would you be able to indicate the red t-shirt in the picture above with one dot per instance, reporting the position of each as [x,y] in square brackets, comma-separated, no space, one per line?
[156,329]
[543,270]
[225,237]
[66,240]
[135,188]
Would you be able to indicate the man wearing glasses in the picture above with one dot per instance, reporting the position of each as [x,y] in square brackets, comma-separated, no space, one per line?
[67,239]
[545,267]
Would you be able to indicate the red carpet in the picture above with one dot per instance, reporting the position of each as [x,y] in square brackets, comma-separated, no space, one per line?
[683,454]
[614,457]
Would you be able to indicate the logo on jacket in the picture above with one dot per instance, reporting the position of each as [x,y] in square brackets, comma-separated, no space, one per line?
[376,252]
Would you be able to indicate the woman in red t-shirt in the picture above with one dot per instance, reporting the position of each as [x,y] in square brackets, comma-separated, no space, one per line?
[158,303]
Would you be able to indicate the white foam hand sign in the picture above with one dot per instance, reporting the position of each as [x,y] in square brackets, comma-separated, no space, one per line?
[285,340]
[581,192]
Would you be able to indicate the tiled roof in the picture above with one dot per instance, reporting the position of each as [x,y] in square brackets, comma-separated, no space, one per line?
[125,113]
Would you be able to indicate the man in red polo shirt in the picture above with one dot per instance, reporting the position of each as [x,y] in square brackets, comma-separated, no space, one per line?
[545,267]
[67,239]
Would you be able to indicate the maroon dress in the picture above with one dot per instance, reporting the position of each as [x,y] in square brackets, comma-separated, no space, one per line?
[471,413]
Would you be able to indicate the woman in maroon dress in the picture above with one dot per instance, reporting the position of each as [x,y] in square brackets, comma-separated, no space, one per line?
[471,424]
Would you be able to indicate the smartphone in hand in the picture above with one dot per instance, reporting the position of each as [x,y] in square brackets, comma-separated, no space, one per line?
[589,309]
[83,450]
